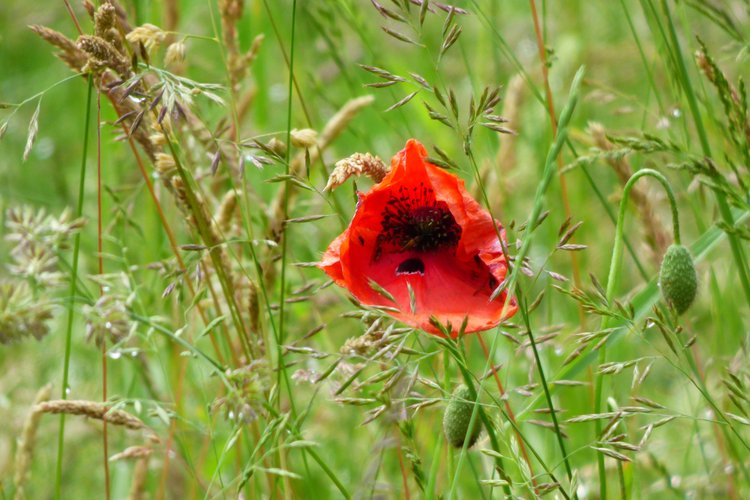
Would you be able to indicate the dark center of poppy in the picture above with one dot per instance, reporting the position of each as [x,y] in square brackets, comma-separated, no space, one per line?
[411,266]
[415,221]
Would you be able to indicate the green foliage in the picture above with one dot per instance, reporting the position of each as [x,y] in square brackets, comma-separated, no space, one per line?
[251,374]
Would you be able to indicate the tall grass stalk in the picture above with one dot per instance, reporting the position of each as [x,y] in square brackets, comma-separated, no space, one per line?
[71,303]
[100,262]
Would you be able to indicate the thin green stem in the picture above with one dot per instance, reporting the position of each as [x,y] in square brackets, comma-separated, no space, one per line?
[72,291]
[547,394]
[284,237]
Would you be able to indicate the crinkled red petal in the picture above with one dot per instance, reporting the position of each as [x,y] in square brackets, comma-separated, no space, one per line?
[452,284]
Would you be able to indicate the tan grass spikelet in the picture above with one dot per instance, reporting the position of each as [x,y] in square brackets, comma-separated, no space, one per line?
[226,211]
[230,12]
[497,176]
[105,25]
[303,138]
[91,409]
[175,54]
[341,120]
[150,35]
[69,53]
[132,453]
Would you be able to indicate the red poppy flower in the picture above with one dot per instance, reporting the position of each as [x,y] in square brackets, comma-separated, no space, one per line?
[419,228]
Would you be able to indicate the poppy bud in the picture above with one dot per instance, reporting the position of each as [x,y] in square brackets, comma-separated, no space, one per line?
[677,278]
[457,418]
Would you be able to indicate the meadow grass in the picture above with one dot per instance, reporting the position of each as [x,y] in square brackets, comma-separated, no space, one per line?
[166,188]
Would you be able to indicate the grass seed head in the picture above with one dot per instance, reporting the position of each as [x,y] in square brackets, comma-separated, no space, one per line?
[149,35]
[304,138]
[175,54]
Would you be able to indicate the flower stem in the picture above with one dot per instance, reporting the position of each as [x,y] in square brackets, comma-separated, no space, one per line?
[612,281]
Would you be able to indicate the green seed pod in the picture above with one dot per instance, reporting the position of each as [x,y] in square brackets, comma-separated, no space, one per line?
[457,418]
[677,278]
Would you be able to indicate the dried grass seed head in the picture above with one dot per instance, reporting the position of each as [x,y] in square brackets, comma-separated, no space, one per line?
[357,164]
[175,54]
[102,55]
[151,36]
[27,443]
[91,409]
[69,53]
[304,138]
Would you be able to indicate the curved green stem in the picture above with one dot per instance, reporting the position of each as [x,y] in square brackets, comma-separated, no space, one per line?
[612,281]
[617,251]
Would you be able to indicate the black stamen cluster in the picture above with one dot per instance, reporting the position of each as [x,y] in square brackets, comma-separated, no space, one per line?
[414,220]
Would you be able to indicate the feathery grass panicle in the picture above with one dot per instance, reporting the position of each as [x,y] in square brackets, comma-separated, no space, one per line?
[22,315]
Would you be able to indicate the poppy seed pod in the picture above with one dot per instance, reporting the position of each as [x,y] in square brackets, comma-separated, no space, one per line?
[677,278]
[457,418]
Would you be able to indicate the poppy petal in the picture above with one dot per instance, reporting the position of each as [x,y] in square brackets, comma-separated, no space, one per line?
[421,236]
